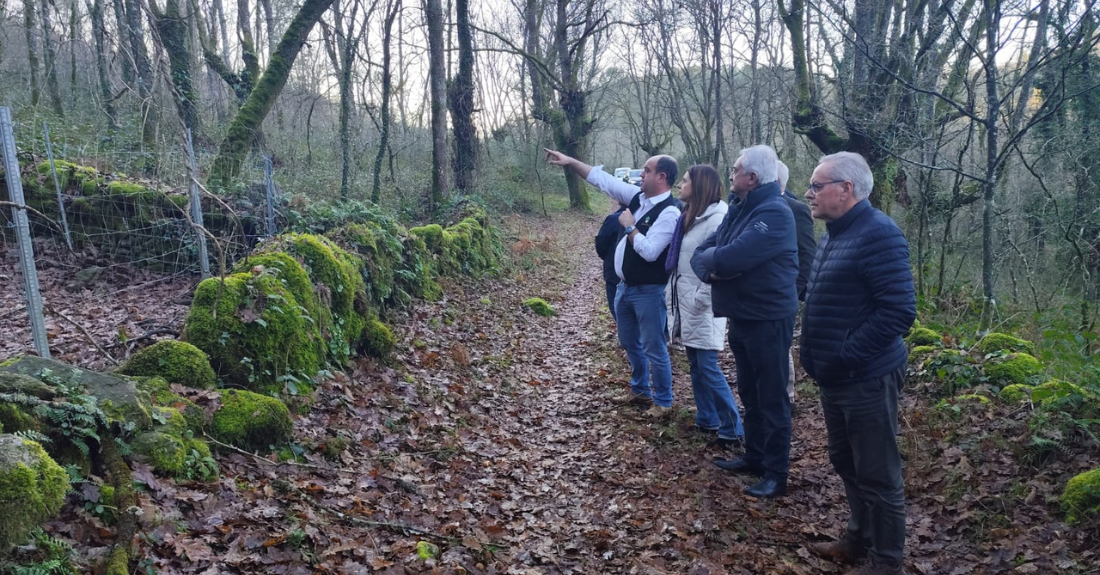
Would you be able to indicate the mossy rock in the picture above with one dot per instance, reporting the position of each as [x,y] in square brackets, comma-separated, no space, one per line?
[1055,389]
[254,330]
[382,255]
[1017,368]
[176,361]
[539,306]
[168,453]
[922,350]
[251,421]
[1015,393]
[337,284]
[160,394]
[14,418]
[995,342]
[432,234]
[972,398]
[923,336]
[32,489]
[117,397]
[1081,497]
[26,385]
[378,339]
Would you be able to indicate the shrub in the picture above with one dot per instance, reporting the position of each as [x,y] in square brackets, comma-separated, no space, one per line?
[1081,498]
[175,361]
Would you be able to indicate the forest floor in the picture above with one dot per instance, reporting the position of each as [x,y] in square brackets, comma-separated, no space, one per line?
[490,443]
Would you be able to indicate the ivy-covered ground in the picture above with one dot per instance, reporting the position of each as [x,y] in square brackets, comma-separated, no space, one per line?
[488,445]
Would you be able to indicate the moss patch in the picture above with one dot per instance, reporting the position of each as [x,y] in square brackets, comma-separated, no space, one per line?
[923,336]
[378,339]
[1081,498]
[539,306]
[32,489]
[251,421]
[1015,393]
[1018,368]
[922,350]
[1054,390]
[175,361]
[995,342]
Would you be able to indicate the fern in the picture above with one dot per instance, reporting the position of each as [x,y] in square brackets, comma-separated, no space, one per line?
[33,435]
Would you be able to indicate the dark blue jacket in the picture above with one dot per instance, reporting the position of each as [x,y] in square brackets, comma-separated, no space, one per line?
[860,299]
[751,261]
[606,241]
[807,243]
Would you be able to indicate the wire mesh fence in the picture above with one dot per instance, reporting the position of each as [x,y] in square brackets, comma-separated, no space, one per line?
[115,253]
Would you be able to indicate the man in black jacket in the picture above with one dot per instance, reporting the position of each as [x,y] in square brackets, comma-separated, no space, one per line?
[859,303]
[807,245]
[606,239]
[751,262]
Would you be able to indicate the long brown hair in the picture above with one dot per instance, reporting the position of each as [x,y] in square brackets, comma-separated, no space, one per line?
[706,189]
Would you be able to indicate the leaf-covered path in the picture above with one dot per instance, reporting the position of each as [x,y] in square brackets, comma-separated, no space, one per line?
[489,445]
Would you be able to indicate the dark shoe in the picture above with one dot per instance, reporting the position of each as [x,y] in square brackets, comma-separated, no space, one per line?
[844,551]
[734,444]
[628,397]
[767,489]
[739,465]
[872,568]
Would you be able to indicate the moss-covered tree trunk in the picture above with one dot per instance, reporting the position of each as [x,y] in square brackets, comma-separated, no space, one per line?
[31,29]
[250,117]
[437,77]
[143,69]
[460,96]
[173,32]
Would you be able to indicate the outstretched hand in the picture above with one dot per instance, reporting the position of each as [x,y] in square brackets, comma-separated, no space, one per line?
[557,158]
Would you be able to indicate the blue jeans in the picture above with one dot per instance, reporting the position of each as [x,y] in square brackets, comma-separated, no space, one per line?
[862,420]
[760,348]
[640,313]
[714,403]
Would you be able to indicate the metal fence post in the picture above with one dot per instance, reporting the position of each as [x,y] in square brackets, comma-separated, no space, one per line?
[23,234]
[196,207]
[57,186]
[269,181]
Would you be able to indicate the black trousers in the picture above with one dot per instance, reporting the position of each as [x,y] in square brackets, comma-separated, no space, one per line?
[862,421]
[760,348]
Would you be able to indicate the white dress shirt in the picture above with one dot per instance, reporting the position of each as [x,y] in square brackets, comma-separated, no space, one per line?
[649,245]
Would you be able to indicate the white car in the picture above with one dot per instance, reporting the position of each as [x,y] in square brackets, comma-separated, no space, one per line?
[621,173]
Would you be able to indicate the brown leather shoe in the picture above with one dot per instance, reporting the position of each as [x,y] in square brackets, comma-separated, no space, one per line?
[628,397]
[872,568]
[843,551]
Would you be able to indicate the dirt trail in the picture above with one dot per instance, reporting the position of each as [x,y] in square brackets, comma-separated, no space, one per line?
[490,437]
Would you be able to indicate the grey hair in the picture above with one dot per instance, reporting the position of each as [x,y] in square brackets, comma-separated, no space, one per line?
[851,167]
[782,173]
[760,160]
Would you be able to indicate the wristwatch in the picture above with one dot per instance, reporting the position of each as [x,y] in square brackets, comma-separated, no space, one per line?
[629,229]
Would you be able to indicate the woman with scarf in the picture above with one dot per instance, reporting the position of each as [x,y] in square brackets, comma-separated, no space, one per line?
[690,318]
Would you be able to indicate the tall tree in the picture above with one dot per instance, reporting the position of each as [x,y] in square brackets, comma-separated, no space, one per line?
[99,36]
[437,78]
[393,7]
[247,122]
[50,51]
[30,26]
[172,31]
[460,96]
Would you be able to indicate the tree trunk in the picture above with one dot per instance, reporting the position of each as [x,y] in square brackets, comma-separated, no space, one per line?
[121,38]
[172,30]
[992,16]
[249,119]
[74,23]
[31,28]
[143,71]
[50,53]
[460,96]
[387,87]
[755,127]
[433,14]
[99,35]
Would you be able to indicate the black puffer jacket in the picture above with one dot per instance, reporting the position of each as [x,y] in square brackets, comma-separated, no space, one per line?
[859,301]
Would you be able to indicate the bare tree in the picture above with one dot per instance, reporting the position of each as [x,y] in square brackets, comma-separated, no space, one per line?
[393,8]
[437,78]
[31,28]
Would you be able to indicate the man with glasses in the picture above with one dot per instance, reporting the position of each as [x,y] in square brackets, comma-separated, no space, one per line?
[859,303]
[751,262]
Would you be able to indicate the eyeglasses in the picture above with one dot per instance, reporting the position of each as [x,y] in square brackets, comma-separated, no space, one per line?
[815,188]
